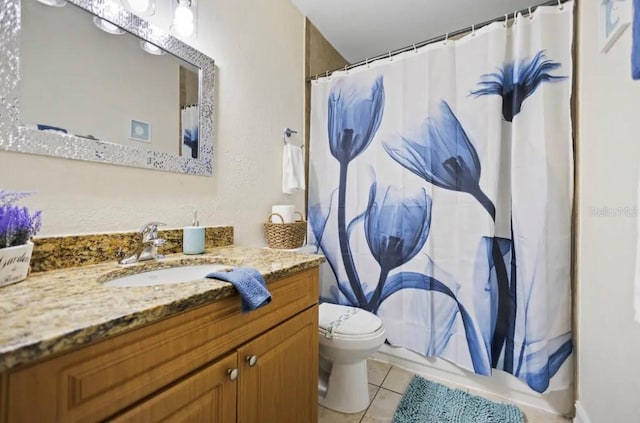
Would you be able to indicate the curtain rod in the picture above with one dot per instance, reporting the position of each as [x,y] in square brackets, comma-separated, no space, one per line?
[436,39]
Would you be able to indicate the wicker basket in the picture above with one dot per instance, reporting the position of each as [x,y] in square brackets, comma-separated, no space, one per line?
[285,236]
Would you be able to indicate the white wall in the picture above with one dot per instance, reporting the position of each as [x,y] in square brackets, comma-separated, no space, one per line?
[258,47]
[77,77]
[608,153]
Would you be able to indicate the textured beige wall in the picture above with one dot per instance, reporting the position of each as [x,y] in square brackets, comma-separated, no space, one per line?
[259,91]
[607,159]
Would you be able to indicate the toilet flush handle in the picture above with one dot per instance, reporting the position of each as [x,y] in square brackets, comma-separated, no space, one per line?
[251,360]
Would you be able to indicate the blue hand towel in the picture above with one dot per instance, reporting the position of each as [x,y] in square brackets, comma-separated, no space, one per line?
[249,283]
[635,49]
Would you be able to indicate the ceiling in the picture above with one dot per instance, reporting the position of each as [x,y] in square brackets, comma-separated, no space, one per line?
[365,28]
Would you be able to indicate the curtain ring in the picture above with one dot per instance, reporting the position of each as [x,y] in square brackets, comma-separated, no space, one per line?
[515,17]
[446,38]
[506,20]
[560,5]
[327,76]
[530,14]
[366,62]
[346,71]
[473,30]
[390,58]
[415,50]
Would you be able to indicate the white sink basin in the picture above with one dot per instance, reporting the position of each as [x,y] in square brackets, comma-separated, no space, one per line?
[168,275]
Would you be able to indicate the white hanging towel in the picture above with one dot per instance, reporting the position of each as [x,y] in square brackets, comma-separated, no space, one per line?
[292,169]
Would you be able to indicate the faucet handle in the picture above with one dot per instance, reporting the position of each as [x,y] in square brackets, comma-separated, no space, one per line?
[150,231]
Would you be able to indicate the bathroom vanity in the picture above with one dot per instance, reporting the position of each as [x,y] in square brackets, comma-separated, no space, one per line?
[182,352]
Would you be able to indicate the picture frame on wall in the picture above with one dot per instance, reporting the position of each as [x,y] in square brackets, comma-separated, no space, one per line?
[614,18]
[140,131]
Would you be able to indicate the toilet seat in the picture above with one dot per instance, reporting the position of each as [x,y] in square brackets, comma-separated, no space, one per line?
[340,337]
[344,323]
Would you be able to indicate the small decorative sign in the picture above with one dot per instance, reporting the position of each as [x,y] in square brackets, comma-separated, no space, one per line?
[140,131]
[14,263]
[615,18]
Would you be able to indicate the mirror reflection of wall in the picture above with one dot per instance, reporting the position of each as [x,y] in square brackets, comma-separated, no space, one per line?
[85,81]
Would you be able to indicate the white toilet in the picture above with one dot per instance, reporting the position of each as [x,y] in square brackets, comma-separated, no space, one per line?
[348,336]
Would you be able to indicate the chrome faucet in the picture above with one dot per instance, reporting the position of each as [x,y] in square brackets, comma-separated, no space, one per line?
[147,249]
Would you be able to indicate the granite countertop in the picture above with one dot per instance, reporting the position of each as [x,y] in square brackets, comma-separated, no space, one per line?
[55,311]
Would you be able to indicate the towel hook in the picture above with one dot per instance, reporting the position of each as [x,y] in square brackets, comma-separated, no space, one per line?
[287,134]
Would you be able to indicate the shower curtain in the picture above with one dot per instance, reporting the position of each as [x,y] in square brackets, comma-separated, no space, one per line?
[441,185]
[190,123]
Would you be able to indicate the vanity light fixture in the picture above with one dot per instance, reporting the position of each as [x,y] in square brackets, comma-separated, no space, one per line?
[107,26]
[183,18]
[151,48]
[142,8]
[53,3]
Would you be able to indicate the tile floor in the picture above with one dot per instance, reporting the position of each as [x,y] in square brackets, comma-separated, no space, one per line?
[387,383]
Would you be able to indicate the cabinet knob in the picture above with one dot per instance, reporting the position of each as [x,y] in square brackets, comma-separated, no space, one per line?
[232,373]
[252,360]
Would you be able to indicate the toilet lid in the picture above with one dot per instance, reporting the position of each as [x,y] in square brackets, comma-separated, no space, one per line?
[345,320]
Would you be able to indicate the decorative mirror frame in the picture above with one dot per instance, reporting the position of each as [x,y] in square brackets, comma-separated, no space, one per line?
[14,136]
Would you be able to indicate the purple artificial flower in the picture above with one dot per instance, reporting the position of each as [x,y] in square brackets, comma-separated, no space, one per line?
[17,225]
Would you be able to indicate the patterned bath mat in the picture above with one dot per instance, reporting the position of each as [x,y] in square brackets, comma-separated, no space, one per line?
[430,402]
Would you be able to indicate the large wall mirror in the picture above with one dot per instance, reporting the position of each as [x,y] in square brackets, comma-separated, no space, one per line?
[87,80]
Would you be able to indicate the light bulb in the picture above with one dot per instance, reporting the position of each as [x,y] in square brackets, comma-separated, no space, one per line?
[139,6]
[53,3]
[183,15]
[183,19]
[151,49]
[107,26]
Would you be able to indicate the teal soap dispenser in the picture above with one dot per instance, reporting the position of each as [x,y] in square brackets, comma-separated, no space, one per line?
[193,237]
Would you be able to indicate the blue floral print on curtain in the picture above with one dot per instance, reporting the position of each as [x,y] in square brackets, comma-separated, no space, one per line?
[355,112]
[444,156]
[396,229]
[516,81]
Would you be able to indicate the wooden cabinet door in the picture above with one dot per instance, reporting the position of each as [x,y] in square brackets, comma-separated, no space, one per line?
[282,384]
[208,396]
